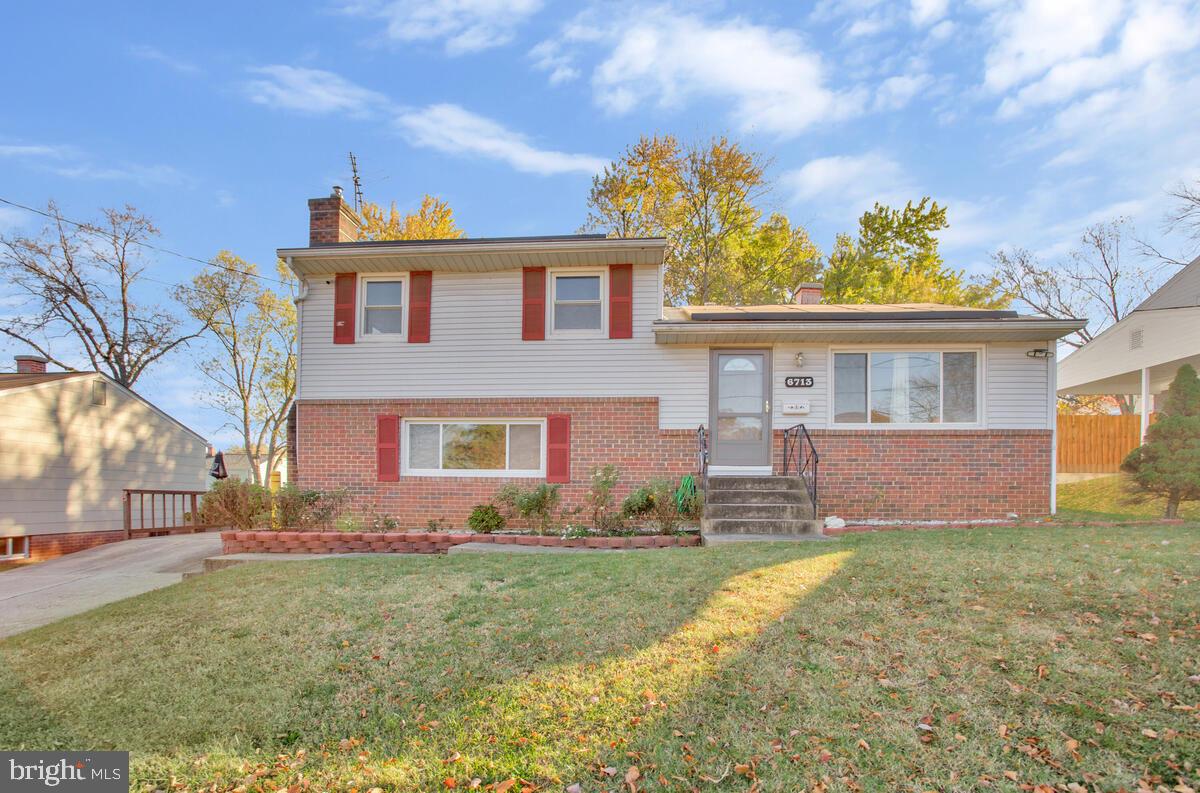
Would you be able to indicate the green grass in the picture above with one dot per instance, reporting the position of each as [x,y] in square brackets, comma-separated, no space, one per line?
[1053,655]
[1108,499]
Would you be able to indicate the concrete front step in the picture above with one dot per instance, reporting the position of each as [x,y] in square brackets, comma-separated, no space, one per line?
[723,539]
[797,510]
[757,497]
[761,526]
[723,483]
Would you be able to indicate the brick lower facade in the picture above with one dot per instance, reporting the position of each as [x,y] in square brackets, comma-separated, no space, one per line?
[885,474]
[335,447]
[48,546]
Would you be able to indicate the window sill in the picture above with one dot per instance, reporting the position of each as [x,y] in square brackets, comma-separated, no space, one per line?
[463,473]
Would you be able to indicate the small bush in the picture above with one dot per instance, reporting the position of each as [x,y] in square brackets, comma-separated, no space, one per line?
[485,519]
[639,503]
[348,523]
[506,497]
[538,506]
[308,509]
[599,498]
[437,524]
[381,522]
[240,505]
[657,500]
[575,531]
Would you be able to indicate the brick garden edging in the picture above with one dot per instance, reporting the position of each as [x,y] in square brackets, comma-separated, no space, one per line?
[422,541]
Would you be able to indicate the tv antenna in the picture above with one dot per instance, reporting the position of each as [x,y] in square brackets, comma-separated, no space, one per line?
[358,195]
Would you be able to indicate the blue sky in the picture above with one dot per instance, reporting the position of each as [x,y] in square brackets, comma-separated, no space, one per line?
[1029,119]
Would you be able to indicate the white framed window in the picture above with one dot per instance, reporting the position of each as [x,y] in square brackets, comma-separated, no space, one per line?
[14,547]
[577,303]
[474,447]
[907,387]
[383,301]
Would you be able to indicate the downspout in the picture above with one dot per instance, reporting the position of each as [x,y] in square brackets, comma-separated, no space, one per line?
[1052,379]
[301,295]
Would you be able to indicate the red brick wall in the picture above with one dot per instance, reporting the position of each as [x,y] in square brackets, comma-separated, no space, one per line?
[931,474]
[48,546]
[889,474]
[335,447]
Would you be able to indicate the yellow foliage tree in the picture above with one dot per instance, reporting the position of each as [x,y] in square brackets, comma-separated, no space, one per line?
[433,221]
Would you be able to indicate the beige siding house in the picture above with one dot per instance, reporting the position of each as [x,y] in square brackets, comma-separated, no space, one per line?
[70,444]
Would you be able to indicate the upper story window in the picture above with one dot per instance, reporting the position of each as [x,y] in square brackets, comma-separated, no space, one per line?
[577,306]
[906,387]
[383,305]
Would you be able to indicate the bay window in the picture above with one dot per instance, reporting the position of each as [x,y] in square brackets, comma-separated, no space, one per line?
[474,447]
[906,387]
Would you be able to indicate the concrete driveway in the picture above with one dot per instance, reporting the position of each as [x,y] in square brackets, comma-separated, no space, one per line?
[43,593]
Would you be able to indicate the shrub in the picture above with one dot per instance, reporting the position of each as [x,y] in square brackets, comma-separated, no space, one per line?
[599,498]
[348,523]
[538,505]
[485,519]
[436,524]
[507,497]
[240,505]
[574,531]
[380,522]
[308,509]
[639,503]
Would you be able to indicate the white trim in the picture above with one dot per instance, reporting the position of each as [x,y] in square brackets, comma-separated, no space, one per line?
[361,308]
[406,448]
[552,275]
[980,386]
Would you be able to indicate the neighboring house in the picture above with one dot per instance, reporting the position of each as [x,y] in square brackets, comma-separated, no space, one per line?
[70,444]
[432,372]
[1141,354]
[237,464]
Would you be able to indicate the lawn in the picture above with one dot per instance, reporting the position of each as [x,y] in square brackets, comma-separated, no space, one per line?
[1109,499]
[997,658]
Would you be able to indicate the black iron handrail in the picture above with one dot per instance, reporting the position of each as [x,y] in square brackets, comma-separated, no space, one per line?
[702,451]
[798,450]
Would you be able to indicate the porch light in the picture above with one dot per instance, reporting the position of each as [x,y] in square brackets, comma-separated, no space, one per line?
[799,360]
[1040,352]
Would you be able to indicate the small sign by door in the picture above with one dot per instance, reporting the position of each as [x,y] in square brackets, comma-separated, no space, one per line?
[798,381]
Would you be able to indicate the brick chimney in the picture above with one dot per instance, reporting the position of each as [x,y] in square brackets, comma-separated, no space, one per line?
[808,293]
[31,364]
[331,220]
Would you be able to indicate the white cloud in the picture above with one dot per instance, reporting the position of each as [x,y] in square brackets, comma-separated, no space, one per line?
[451,129]
[845,185]
[313,91]
[464,25]
[148,53]
[1153,32]
[30,151]
[140,174]
[896,92]
[925,12]
[767,76]
[548,56]
[942,30]
[1035,35]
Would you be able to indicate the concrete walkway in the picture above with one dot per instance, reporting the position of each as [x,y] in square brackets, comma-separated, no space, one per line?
[43,593]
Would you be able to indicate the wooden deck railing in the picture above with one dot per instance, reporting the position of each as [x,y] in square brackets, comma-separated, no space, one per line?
[150,513]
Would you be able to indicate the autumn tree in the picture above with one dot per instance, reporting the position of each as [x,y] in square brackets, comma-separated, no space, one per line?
[78,284]
[1167,464]
[434,220]
[252,374]
[895,259]
[768,264]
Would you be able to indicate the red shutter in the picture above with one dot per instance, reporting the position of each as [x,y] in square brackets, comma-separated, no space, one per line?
[620,301]
[387,448]
[419,300]
[533,303]
[558,448]
[344,287]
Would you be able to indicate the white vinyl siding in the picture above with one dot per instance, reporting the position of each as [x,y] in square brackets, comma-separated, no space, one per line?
[64,462]
[475,350]
[1016,387]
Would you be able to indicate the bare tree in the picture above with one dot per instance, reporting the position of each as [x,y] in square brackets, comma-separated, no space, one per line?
[1094,282]
[253,374]
[77,281]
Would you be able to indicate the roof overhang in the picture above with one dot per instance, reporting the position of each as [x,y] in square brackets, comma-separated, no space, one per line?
[472,256]
[1031,329]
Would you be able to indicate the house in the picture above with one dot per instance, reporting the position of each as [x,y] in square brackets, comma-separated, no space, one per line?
[71,443]
[1141,354]
[239,465]
[431,372]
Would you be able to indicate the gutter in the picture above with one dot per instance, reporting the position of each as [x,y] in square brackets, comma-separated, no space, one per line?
[356,251]
[1060,327]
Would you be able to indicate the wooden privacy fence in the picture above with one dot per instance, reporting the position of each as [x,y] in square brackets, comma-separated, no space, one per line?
[1096,444]
[151,513]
